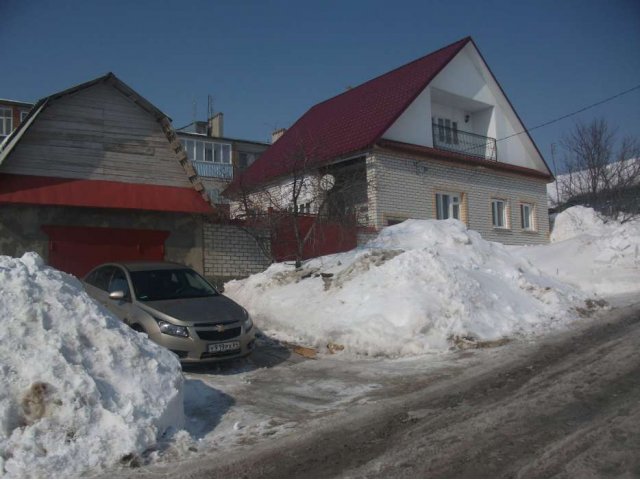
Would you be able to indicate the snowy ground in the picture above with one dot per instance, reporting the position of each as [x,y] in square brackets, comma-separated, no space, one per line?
[409,310]
[399,285]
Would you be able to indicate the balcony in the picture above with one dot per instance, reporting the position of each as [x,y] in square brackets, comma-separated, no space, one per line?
[215,170]
[465,143]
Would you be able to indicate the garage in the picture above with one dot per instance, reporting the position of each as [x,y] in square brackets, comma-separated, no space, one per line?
[77,250]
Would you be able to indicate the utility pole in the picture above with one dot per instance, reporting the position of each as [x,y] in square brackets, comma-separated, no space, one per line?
[555,172]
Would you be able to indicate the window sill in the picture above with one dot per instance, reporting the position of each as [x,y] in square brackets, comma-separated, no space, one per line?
[501,229]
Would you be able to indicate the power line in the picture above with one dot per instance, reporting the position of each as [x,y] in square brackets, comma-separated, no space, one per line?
[571,114]
[555,120]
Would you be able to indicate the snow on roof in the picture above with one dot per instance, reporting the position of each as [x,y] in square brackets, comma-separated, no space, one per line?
[558,191]
[80,390]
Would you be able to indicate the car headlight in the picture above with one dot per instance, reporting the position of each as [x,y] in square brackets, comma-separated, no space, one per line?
[248,323]
[171,329]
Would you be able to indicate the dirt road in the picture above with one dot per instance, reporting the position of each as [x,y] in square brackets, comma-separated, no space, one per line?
[566,406]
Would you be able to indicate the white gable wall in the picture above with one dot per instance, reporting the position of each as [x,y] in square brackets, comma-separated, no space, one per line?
[466,78]
[414,125]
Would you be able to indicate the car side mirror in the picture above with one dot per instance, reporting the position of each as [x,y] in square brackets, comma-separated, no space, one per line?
[220,288]
[117,295]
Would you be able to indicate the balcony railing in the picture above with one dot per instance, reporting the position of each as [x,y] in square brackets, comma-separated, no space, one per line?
[466,143]
[211,169]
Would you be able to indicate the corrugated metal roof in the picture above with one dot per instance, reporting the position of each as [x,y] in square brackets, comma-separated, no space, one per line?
[349,122]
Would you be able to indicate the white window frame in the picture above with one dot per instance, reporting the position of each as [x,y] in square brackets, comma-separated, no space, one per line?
[453,200]
[196,151]
[500,221]
[6,121]
[23,115]
[529,216]
[447,131]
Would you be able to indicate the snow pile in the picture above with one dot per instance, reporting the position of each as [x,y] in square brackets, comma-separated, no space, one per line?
[576,221]
[418,286]
[596,256]
[80,390]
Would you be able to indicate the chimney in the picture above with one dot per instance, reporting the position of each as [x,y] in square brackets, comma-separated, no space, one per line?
[216,125]
[277,134]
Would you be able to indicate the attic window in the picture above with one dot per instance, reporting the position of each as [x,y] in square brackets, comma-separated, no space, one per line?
[6,122]
[448,131]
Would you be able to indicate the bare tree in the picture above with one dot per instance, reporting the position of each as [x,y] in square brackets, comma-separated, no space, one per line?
[301,202]
[602,172]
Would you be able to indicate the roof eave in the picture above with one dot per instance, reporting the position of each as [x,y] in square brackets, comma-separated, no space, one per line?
[444,155]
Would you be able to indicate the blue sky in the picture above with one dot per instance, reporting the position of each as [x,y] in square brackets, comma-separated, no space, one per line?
[267,62]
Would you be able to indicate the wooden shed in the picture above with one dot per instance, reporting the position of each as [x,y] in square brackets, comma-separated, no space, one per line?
[95,173]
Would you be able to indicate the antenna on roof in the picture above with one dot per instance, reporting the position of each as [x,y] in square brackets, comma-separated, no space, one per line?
[210,110]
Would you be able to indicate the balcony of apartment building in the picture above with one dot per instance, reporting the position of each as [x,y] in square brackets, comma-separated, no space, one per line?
[210,158]
[463,125]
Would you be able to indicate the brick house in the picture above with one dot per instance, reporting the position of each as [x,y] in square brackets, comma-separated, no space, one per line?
[436,138]
[12,113]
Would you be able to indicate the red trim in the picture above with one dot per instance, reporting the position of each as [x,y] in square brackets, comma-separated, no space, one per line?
[33,190]
[459,158]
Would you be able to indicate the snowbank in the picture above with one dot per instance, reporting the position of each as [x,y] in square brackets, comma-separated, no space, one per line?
[80,390]
[598,257]
[576,221]
[414,288]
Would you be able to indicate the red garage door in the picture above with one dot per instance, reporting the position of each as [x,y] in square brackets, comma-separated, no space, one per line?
[77,250]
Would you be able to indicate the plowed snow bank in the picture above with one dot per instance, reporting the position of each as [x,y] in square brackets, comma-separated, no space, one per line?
[597,256]
[414,288]
[80,390]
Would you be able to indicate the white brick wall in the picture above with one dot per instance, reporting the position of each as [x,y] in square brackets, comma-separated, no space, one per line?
[230,252]
[402,186]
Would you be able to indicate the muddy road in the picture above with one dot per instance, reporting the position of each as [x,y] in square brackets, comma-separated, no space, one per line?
[567,406]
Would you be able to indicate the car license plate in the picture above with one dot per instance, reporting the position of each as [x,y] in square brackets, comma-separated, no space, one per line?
[224,347]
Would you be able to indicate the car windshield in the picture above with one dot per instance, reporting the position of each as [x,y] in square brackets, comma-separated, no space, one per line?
[150,285]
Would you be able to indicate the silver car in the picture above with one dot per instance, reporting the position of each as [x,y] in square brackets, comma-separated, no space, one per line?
[176,307]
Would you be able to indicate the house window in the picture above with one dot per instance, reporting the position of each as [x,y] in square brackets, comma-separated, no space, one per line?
[526,214]
[23,115]
[499,213]
[202,151]
[6,122]
[447,131]
[447,206]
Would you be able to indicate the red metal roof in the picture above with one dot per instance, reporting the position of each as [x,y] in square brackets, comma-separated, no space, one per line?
[34,190]
[349,122]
